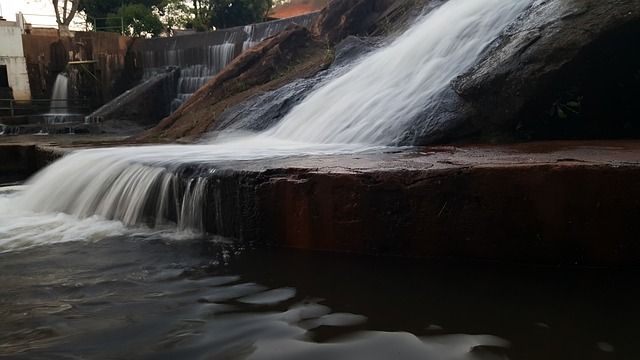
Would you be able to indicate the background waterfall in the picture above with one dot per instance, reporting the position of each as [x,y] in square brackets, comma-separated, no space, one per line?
[58,111]
[60,94]
[368,107]
[198,63]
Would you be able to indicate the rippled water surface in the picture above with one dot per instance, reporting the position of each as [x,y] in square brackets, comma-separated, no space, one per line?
[140,297]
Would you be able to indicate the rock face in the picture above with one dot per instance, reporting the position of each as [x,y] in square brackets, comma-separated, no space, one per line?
[581,59]
[361,17]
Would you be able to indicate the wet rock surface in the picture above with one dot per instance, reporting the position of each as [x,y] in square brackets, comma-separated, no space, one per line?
[551,203]
[565,69]
[144,105]
[364,17]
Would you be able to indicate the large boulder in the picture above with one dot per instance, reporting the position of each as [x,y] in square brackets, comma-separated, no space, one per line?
[563,69]
[342,18]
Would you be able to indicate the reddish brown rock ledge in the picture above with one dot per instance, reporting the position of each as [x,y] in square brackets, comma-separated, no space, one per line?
[559,203]
[545,203]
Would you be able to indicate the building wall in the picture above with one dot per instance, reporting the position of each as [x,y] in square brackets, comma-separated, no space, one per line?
[48,54]
[12,56]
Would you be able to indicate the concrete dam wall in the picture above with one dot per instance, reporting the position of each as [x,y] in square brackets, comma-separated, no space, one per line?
[199,57]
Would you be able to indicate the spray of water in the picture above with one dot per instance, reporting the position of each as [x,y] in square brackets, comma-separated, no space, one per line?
[366,108]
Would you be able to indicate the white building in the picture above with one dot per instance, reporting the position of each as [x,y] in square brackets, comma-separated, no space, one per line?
[13,64]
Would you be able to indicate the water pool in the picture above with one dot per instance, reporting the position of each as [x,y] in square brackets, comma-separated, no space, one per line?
[142,297]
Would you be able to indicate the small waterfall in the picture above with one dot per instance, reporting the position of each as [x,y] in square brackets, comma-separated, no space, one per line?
[114,188]
[258,32]
[60,95]
[368,107]
[59,108]
[193,77]
[197,65]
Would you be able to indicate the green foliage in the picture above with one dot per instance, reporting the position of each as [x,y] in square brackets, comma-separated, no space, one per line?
[138,20]
[175,14]
[221,14]
[568,104]
[98,11]
[102,8]
[240,12]
[201,15]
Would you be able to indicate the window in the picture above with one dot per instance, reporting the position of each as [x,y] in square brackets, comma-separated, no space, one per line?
[4,76]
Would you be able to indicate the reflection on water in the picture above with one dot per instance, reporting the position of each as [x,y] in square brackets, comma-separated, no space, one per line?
[144,298]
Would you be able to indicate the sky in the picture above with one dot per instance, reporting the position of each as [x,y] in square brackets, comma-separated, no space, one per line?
[40,13]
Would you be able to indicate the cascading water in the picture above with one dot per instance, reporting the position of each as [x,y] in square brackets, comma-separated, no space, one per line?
[195,76]
[59,112]
[197,65]
[258,32]
[368,107]
[60,94]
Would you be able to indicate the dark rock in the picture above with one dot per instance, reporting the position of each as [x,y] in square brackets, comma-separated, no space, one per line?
[352,48]
[554,46]
[261,111]
[360,17]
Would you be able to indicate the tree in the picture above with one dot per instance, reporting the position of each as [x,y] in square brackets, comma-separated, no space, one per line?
[240,12]
[65,12]
[98,11]
[138,19]
[175,14]
[221,14]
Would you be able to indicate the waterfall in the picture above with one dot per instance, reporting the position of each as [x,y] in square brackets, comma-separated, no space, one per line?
[367,107]
[258,32]
[197,65]
[60,95]
[378,98]
[59,108]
